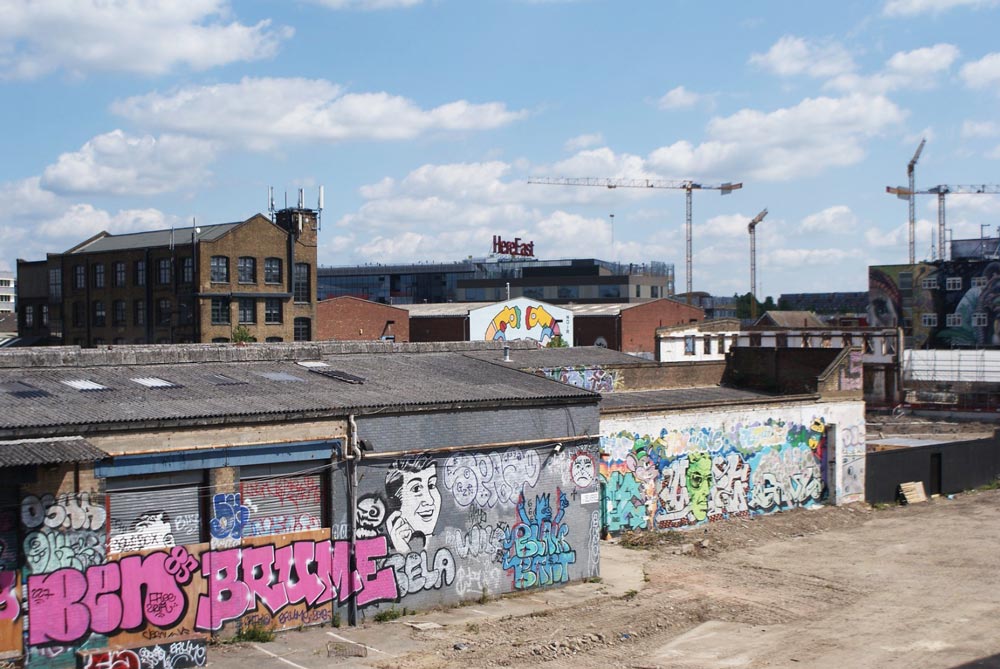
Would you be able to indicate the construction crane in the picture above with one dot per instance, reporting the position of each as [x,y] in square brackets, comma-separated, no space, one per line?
[910,168]
[941,191]
[752,229]
[686,186]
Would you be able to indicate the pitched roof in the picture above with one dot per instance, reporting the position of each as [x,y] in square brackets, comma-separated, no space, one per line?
[791,319]
[682,398]
[48,451]
[153,238]
[33,400]
[541,358]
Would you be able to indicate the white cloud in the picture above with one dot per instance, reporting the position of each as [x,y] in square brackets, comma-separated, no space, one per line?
[917,7]
[916,69]
[814,135]
[678,98]
[980,129]
[138,36]
[983,73]
[26,198]
[367,5]
[838,219]
[791,56]
[584,141]
[261,112]
[81,221]
[119,164]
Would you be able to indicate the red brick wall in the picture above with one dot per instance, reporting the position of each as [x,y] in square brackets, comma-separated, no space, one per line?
[439,328]
[586,330]
[639,323]
[353,319]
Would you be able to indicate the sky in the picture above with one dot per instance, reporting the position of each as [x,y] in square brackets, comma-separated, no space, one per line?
[425,119]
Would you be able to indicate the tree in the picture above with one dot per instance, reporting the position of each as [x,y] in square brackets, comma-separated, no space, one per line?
[241,335]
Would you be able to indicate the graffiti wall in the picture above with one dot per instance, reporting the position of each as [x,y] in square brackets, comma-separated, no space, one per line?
[662,472]
[469,524]
[430,530]
[892,286]
[594,378]
[521,318]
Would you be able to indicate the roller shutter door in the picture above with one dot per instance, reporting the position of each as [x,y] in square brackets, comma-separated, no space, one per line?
[281,504]
[154,517]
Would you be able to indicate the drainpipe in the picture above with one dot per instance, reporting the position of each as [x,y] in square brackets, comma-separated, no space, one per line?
[353,456]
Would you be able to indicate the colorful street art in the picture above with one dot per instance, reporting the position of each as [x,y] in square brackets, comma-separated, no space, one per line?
[522,318]
[596,378]
[693,475]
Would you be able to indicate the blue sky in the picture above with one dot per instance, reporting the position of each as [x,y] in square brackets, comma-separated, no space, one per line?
[424,119]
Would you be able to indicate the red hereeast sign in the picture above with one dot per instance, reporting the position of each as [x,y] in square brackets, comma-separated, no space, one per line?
[514,248]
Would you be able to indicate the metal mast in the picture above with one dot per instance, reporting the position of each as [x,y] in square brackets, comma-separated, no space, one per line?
[910,168]
[752,228]
[686,186]
[941,191]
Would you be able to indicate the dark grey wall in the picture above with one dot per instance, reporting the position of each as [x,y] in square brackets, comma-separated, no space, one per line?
[944,468]
[459,528]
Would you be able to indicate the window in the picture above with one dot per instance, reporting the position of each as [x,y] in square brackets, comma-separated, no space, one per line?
[185,313]
[302,329]
[272,310]
[118,269]
[929,284]
[118,312]
[638,290]
[689,345]
[98,270]
[45,315]
[163,271]
[272,270]
[953,320]
[707,344]
[979,319]
[55,283]
[187,269]
[246,270]
[219,269]
[654,291]
[99,314]
[301,284]
[847,339]
[163,312]
[78,314]
[29,316]
[979,282]
[247,310]
[79,277]
[953,283]
[140,312]
[220,310]
[140,273]
[721,344]
[929,320]
[273,340]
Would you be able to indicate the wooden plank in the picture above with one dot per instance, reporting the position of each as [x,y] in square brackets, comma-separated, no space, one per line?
[913,492]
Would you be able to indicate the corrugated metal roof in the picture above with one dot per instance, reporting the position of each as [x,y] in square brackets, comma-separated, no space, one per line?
[545,358]
[791,319]
[442,309]
[391,380]
[681,398]
[154,238]
[48,451]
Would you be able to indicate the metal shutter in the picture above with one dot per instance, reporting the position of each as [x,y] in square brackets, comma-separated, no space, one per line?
[281,505]
[157,518]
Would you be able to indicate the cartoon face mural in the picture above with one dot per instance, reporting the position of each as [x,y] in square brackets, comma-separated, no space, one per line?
[370,516]
[699,483]
[509,317]
[414,502]
[537,317]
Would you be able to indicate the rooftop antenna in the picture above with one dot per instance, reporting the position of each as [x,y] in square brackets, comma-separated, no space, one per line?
[319,210]
[302,198]
[270,201]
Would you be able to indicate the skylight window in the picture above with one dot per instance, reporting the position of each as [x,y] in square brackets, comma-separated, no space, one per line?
[154,382]
[339,376]
[279,376]
[223,380]
[84,385]
[23,390]
[312,363]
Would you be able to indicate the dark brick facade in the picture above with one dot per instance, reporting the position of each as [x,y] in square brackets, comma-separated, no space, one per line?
[439,328]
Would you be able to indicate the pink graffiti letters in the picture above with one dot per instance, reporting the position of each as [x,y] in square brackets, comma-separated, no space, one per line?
[9,606]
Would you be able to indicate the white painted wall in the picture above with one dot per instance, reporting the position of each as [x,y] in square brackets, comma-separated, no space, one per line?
[521,318]
[690,345]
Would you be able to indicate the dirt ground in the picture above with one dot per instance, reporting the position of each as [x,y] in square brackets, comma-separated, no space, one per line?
[835,587]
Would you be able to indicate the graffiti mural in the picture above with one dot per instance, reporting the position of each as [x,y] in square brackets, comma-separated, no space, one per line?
[63,531]
[522,318]
[487,479]
[596,378]
[281,505]
[537,550]
[230,517]
[689,476]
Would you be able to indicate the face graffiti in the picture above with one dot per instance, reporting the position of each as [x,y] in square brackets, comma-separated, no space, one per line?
[414,500]
[583,470]
[699,483]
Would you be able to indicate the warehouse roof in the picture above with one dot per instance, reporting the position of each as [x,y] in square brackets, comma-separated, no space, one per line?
[685,398]
[586,356]
[35,398]
[152,239]
[48,451]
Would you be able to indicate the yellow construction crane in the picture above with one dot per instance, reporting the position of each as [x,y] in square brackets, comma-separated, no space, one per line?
[907,193]
[686,186]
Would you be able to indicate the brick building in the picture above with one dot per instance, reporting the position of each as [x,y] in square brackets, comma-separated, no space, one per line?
[185,285]
[353,319]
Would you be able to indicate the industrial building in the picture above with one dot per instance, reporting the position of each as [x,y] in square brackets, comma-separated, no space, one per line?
[8,292]
[495,279]
[195,284]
